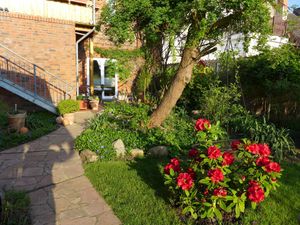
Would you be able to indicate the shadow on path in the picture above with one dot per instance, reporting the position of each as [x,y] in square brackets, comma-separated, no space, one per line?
[51,172]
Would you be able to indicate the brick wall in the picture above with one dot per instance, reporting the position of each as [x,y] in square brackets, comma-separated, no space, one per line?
[11,99]
[49,43]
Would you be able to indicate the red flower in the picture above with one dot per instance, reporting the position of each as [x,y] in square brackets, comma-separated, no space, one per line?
[185,181]
[220,192]
[171,166]
[175,165]
[191,172]
[273,167]
[216,175]
[253,183]
[264,150]
[254,148]
[235,144]
[228,159]
[202,124]
[193,153]
[175,162]
[213,152]
[255,193]
[243,178]
[262,161]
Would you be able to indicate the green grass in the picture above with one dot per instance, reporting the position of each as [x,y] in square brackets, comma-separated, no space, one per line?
[283,206]
[135,190]
[15,209]
[38,123]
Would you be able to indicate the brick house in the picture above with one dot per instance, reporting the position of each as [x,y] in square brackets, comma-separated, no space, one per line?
[45,47]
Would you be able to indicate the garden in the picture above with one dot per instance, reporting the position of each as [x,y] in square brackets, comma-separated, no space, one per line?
[215,140]
[18,127]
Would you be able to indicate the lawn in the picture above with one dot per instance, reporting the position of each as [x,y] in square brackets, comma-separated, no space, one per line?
[135,190]
[283,207]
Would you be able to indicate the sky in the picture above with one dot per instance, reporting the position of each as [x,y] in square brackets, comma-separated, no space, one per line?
[294,2]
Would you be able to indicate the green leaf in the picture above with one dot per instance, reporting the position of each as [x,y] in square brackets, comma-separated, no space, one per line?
[187,193]
[210,213]
[253,205]
[237,211]
[223,206]
[207,204]
[204,181]
[172,173]
[218,214]
[242,206]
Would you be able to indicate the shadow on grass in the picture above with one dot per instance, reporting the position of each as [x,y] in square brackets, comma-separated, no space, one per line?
[150,170]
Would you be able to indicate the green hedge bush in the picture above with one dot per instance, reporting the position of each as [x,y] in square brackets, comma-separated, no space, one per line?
[68,106]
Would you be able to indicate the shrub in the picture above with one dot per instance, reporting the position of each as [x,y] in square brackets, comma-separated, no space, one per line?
[212,184]
[40,120]
[220,103]
[68,106]
[129,123]
[271,83]
[262,131]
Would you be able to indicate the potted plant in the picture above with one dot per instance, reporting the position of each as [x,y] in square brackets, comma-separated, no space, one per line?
[16,119]
[94,102]
[67,108]
[83,102]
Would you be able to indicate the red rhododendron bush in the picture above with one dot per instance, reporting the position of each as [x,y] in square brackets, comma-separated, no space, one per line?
[212,183]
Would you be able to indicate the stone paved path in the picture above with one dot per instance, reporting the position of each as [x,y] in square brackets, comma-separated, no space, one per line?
[51,171]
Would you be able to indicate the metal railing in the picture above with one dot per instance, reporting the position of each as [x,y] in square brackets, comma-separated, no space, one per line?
[32,78]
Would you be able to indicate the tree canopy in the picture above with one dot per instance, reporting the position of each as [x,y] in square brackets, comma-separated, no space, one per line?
[202,23]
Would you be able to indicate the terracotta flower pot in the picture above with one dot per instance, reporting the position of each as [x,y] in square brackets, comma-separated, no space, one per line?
[83,104]
[94,104]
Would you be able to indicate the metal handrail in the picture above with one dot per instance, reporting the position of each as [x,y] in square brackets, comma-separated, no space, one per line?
[34,65]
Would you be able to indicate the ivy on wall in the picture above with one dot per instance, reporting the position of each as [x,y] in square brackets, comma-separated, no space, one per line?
[122,61]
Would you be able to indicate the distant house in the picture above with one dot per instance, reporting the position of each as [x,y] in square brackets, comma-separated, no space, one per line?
[278,22]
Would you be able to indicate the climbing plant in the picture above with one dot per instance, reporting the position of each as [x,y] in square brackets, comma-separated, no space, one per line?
[121,61]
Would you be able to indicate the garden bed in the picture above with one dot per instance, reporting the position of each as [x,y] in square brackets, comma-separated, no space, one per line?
[38,124]
[15,209]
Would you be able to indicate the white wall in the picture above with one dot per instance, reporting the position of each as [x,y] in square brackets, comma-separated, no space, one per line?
[237,45]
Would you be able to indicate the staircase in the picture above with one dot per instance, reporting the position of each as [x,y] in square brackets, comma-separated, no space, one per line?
[31,82]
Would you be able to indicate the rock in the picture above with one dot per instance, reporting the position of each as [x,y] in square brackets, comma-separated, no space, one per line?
[66,122]
[119,147]
[137,153]
[59,120]
[158,151]
[87,156]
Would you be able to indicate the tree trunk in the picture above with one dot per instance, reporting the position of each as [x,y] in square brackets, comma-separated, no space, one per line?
[182,78]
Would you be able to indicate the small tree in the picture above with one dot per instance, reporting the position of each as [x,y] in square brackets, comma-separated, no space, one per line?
[203,23]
